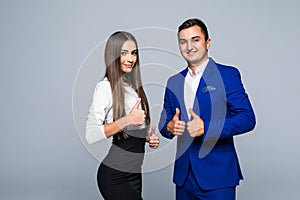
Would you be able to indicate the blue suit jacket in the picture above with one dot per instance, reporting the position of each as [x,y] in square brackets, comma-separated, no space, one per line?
[223,105]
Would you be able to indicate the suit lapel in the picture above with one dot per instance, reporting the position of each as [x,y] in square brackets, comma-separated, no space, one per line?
[203,83]
[183,111]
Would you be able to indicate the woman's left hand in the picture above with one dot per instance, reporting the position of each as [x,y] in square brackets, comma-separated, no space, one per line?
[153,139]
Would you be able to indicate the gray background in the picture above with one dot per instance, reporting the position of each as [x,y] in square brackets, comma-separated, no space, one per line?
[44,43]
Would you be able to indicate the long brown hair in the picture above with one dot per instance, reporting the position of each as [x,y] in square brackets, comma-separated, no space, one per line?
[115,75]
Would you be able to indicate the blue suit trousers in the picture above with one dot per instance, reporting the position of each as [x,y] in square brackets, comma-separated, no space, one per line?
[192,191]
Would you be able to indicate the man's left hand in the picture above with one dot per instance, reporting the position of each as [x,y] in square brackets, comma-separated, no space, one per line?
[195,127]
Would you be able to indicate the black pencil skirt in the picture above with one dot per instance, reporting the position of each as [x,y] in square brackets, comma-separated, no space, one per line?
[117,185]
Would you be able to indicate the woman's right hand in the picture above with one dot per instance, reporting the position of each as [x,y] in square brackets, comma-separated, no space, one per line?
[137,116]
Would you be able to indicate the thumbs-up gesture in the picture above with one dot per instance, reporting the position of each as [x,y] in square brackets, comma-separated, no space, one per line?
[195,127]
[137,116]
[175,126]
[153,139]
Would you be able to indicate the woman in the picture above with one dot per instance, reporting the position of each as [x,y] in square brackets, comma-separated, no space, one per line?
[120,110]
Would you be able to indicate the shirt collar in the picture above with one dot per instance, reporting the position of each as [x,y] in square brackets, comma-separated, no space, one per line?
[199,69]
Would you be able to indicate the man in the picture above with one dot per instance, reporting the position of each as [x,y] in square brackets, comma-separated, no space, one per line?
[205,105]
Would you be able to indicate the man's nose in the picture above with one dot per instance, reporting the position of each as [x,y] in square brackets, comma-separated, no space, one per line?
[190,46]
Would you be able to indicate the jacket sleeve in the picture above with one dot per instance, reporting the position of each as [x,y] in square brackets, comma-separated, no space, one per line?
[166,114]
[239,117]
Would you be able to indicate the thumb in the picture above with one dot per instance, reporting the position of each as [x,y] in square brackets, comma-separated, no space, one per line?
[137,104]
[153,130]
[193,114]
[177,113]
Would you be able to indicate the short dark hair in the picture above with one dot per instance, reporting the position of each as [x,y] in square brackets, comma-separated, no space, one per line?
[194,22]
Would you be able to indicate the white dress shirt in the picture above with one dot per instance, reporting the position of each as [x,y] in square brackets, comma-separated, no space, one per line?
[101,111]
[191,84]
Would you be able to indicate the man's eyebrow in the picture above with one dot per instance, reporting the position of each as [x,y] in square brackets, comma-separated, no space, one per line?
[196,37]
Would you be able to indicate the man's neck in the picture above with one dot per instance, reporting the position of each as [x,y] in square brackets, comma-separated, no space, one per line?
[193,67]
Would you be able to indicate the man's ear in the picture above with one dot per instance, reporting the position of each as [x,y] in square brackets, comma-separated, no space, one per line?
[207,43]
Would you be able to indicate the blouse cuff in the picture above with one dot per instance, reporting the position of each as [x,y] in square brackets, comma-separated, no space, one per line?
[95,134]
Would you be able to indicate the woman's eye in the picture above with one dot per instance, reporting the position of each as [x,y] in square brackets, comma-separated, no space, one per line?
[123,53]
[134,53]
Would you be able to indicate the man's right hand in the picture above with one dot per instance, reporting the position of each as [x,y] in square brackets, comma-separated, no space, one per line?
[175,126]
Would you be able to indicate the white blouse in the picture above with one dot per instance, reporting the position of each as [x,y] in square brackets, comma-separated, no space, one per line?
[101,111]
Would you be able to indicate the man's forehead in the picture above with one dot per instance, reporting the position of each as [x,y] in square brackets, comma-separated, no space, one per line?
[191,32]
